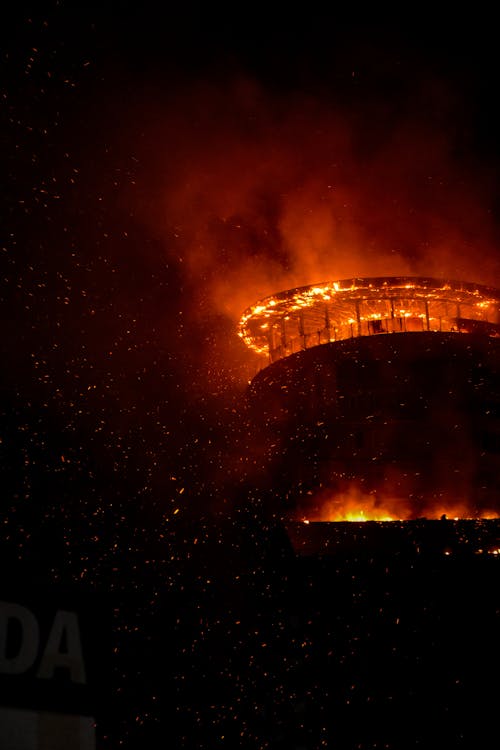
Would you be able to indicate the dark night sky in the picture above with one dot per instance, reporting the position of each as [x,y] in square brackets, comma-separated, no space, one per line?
[115,378]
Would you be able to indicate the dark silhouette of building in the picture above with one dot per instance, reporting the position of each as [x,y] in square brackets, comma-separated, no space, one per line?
[380,388]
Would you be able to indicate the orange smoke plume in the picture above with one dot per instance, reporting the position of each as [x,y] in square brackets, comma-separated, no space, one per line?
[262,193]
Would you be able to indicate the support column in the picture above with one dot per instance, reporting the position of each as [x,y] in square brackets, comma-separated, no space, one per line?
[301,330]
[327,324]
[283,336]
[358,318]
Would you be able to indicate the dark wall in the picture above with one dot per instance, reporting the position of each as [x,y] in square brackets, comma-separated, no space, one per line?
[416,415]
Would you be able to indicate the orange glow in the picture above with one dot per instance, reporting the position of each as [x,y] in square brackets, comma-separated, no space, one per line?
[357,507]
[362,515]
[308,316]
[254,192]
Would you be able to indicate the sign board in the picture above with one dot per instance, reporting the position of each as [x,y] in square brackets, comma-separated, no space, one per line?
[52,668]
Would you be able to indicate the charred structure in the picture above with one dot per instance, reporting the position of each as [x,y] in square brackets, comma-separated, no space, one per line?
[380,398]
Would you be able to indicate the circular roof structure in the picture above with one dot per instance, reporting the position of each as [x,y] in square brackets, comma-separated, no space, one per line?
[308,316]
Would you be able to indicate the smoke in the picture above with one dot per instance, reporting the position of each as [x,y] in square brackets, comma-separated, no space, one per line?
[259,192]
[252,191]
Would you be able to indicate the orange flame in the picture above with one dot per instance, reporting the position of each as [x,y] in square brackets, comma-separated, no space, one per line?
[307,316]
[356,506]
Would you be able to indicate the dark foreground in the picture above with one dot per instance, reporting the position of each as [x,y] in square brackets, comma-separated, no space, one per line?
[239,635]
[390,642]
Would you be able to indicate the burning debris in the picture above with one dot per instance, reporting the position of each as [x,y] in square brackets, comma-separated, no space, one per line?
[308,316]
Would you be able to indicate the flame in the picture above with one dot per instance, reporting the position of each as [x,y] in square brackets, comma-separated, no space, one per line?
[251,192]
[376,514]
[307,316]
[356,506]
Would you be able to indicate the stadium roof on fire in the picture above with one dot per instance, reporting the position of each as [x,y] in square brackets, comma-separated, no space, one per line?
[308,316]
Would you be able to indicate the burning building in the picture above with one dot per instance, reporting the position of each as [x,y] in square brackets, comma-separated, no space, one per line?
[379,398]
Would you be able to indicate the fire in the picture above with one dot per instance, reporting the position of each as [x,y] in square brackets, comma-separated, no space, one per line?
[356,506]
[362,515]
[401,423]
[308,316]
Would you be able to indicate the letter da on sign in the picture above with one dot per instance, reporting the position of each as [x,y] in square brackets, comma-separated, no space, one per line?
[63,649]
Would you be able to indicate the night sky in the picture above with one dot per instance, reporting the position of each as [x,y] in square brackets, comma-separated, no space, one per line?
[164,167]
